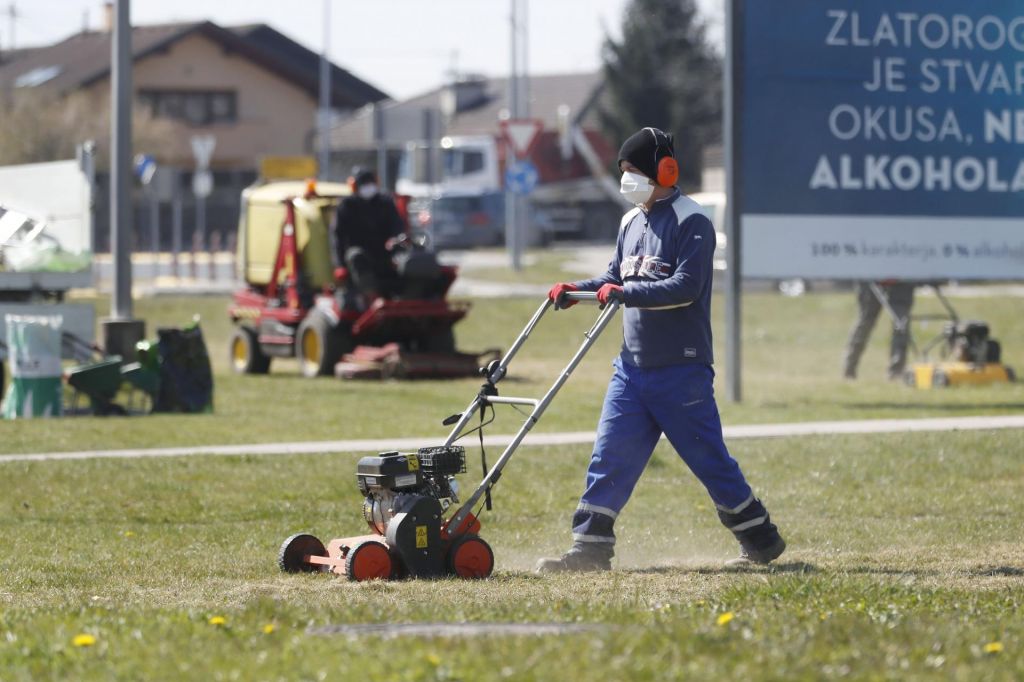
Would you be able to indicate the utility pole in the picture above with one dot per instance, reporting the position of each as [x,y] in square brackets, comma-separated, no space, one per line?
[325,97]
[120,331]
[516,205]
[12,16]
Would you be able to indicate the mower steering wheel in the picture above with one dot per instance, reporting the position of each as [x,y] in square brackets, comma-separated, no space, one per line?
[408,242]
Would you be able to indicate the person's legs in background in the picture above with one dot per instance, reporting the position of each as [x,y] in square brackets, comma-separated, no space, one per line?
[868,308]
[901,299]
[361,273]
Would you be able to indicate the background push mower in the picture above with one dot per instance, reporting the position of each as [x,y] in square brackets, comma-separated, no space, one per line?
[408,494]
[967,353]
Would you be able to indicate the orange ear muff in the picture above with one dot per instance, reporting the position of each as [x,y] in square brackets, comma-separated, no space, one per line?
[668,172]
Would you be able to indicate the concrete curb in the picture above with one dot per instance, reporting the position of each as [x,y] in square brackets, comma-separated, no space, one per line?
[368,446]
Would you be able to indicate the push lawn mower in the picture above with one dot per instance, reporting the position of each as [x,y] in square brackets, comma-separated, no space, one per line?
[408,494]
[968,355]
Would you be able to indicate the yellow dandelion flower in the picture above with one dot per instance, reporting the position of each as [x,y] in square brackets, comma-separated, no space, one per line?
[128,533]
[993,647]
[218,620]
[725,618]
[433,659]
[83,640]
[269,628]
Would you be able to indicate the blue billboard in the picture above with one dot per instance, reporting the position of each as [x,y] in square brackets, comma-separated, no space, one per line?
[882,138]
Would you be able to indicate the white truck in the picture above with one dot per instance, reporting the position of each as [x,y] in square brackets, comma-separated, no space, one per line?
[457,190]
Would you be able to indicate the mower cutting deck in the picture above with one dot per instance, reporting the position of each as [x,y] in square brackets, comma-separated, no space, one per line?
[408,494]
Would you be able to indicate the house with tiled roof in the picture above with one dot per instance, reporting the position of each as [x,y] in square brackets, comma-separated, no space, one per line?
[251,87]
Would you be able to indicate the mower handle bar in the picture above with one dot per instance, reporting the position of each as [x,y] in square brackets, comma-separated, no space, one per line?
[497,372]
[581,296]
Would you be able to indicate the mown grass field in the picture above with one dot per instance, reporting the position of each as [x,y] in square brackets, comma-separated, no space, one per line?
[905,557]
[792,365]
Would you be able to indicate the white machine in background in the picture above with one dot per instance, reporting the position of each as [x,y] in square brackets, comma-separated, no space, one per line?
[46,241]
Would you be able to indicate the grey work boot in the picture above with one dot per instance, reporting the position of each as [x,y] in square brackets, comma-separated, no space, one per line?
[750,555]
[581,557]
[760,542]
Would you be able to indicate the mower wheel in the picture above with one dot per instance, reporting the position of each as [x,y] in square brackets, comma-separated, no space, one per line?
[368,560]
[319,345]
[294,550]
[470,557]
[246,355]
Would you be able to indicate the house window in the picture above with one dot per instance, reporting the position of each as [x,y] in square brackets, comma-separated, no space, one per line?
[197,108]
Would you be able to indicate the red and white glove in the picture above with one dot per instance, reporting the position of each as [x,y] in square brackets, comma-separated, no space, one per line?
[609,292]
[556,293]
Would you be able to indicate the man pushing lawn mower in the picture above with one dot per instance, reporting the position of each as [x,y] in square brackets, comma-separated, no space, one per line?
[663,378]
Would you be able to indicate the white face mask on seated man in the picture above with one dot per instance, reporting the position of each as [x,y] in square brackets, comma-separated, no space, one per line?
[368,191]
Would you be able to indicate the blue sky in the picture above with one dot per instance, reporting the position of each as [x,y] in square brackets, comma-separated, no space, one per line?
[401,46]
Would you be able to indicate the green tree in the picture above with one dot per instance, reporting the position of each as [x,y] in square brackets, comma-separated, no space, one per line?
[664,73]
[46,126]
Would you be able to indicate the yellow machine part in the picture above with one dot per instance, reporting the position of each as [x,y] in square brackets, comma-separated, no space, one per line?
[942,374]
[262,215]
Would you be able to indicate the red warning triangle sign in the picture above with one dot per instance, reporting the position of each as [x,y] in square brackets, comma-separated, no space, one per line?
[522,133]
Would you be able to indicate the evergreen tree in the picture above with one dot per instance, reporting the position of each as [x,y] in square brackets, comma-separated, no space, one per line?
[664,74]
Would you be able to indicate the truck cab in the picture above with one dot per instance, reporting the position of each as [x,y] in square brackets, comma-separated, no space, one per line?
[466,164]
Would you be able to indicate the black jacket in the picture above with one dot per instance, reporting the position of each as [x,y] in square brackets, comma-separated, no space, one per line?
[368,224]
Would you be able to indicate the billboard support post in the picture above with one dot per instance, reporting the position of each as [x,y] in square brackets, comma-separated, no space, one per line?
[733,93]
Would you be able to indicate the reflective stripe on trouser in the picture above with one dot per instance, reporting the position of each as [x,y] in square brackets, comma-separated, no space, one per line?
[640,405]
[750,523]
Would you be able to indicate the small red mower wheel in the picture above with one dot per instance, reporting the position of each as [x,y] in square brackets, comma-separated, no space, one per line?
[294,550]
[470,557]
[368,560]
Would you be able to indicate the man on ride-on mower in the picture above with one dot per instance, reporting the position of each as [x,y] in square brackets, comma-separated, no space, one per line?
[364,225]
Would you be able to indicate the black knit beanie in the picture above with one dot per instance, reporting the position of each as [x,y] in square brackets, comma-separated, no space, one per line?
[363,176]
[645,148]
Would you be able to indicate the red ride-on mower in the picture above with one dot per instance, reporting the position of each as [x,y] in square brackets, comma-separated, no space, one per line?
[295,304]
[408,494]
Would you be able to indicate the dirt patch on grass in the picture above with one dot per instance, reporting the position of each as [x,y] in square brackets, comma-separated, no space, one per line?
[393,630]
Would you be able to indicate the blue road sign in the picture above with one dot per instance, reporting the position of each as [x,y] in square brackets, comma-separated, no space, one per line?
[521,177]
[145,167]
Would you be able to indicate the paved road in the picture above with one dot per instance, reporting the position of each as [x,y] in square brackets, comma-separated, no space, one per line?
[215,275]
[571,438]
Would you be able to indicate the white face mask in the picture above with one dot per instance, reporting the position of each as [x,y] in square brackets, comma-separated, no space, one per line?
[368,191]
[636,187]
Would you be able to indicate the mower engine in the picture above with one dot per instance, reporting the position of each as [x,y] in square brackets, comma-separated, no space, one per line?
[406,496]
[393,482]
[969,342]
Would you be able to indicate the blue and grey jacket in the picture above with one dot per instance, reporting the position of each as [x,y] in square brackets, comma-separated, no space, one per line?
[663,260]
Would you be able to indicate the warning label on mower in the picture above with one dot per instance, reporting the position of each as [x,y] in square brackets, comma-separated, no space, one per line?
[421,537]
[414,462]
[405,479]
